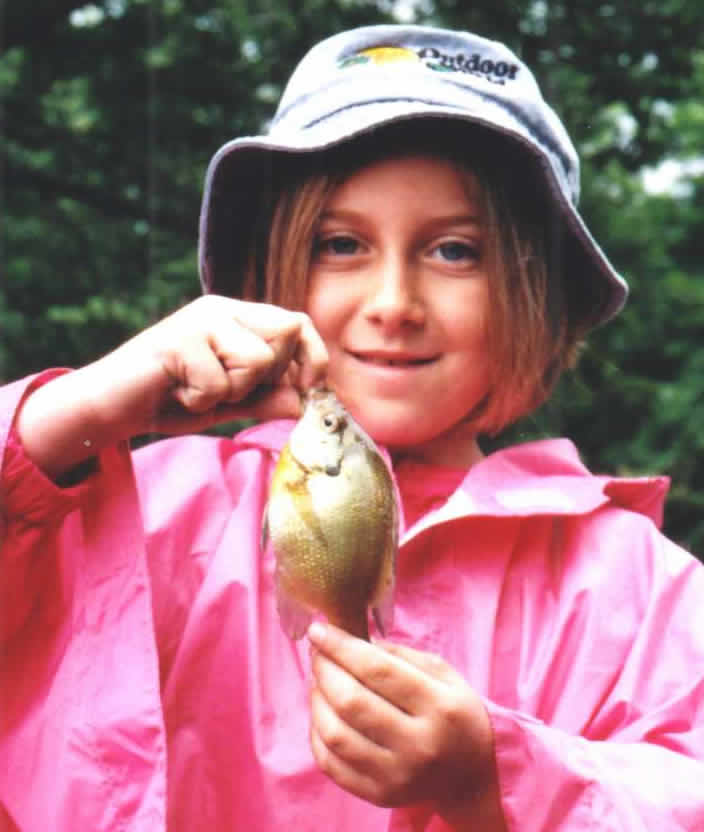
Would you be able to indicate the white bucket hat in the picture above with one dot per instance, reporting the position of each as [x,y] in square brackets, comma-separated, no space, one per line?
[360,80]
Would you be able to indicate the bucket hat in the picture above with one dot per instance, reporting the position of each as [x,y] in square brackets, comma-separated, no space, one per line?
[364,79]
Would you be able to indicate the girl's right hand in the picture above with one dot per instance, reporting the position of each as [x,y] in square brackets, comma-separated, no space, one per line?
[214,360]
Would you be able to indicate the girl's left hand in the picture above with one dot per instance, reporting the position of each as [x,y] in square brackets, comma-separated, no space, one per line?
[396,726]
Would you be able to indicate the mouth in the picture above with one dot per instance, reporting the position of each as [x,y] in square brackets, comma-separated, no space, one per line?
[393,359]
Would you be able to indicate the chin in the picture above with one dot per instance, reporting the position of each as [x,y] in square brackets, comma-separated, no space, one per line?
[393,429]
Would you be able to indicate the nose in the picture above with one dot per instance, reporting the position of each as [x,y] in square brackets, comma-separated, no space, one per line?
[394,299]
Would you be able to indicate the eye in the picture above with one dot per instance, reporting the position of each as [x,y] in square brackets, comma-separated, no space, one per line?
[336,245]
[456,251]
[330,422]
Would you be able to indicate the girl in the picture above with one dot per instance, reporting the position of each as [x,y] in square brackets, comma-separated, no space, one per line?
[408,231]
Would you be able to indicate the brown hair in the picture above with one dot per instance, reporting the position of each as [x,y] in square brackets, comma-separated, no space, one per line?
[534,325]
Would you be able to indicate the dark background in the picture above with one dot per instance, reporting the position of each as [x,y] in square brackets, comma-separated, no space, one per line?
[111,110]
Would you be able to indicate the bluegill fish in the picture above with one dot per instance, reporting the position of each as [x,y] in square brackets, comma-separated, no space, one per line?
[332,519]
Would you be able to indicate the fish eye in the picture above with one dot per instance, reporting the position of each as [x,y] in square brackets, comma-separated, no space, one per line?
[331,422]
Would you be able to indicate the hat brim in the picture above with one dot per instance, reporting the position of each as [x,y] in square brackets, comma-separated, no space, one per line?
[244,170]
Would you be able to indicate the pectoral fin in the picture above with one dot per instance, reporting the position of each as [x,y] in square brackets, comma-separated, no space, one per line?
[383,614]
[264,532]
[293,616]
[383,600]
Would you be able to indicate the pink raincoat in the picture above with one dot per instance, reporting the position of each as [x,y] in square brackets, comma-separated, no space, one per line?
[146,685]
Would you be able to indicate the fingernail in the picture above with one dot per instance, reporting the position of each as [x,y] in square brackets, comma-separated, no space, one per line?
[316,632]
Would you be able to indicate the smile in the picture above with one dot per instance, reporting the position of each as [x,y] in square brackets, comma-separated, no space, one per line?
[382,360]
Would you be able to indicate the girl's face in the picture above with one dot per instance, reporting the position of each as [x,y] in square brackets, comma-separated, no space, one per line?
[399,292]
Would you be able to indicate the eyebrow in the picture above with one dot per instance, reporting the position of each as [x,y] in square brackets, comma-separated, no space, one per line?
[456,219]
[443,219]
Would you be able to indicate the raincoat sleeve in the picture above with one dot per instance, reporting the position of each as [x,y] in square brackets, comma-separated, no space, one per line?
[75,633]
[32,509]
[638,761]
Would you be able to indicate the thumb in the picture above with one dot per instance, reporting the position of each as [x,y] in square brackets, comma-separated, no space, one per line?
[271,403]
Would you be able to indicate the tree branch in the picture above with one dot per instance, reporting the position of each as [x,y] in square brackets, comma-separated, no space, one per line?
[17,176]
[22,24]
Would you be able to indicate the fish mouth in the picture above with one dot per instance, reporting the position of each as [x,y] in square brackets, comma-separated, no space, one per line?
[403,360]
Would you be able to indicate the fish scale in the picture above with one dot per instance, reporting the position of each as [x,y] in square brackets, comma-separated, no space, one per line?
[332,520]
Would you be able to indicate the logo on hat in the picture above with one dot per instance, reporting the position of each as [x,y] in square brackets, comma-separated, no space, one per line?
[380,55]
[498,72]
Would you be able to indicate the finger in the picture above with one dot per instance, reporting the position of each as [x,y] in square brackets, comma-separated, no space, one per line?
[290,334]
[270,321]
[200,379]
[270,403]
[392,678]
[311,352]
[283,350]
[299,344]
[429,663]
[353,780]
[278,404]
[356,764]
[368,714]
[311,356]
[247,359]
[342,738]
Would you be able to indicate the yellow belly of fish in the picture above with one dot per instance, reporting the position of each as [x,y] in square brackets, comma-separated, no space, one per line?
[331,543]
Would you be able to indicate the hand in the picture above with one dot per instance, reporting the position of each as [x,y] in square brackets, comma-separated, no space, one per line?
[396,727]
[214,360]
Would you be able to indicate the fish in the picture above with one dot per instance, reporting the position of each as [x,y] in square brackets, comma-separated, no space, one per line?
[332,521]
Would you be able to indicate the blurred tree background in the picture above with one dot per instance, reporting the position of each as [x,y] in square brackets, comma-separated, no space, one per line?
[111,110]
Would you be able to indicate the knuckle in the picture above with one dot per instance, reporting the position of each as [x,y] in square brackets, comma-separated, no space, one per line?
[379,673]
[302,318]
[426,746]
[381,796]
[196,401]
[350,703]
[390,793]
[290,322]
[437,664]
[377,791]
[240,382]
[424,754]
[453,709]
[217,390]
[321,754]
[207,303]
[332,737]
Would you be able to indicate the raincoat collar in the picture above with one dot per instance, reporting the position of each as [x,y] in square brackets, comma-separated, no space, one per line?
[545,476]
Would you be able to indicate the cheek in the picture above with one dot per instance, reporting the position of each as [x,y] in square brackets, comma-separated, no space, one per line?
[465,319]
[327,304]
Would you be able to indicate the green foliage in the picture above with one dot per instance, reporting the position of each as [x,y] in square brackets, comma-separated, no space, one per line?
[111,110]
